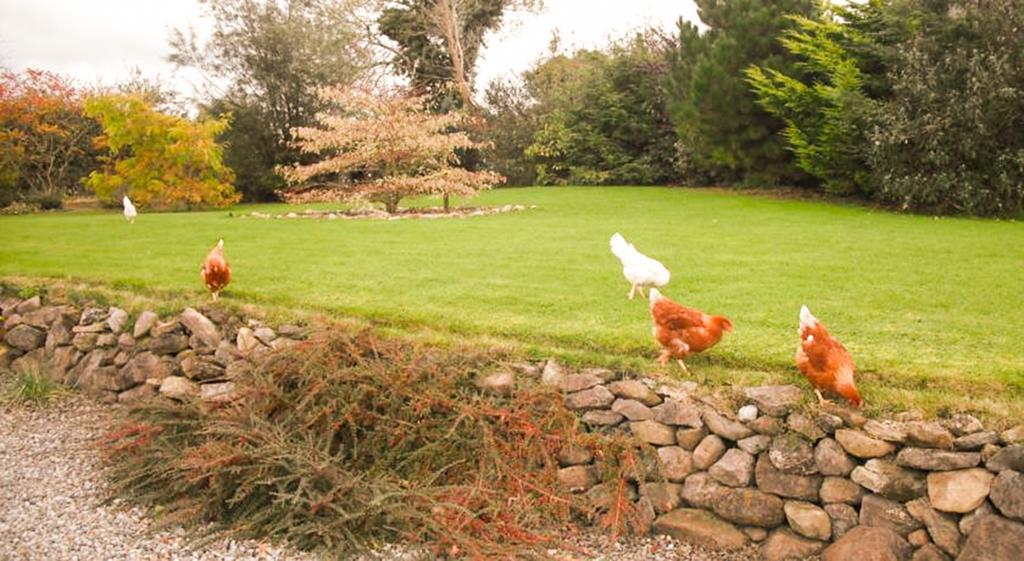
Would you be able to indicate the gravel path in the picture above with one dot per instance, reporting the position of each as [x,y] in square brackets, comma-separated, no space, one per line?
[51,488]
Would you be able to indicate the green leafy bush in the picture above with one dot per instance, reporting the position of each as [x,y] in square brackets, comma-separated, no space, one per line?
[510,121]
[916,104]
[826,119]
[951,138]
[603,117]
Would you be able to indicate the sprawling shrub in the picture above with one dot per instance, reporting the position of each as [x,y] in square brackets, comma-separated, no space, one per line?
[604,116]
[510,121]
[951,139]
[347,440]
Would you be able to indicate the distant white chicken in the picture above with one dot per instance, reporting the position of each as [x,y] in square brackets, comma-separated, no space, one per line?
[641,271]
[129,210]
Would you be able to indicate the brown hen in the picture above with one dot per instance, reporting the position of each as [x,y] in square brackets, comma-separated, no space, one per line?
[824,360]
[215,272]
[683,331]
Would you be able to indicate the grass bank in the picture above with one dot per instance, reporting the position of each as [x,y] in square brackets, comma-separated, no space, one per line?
[932,309]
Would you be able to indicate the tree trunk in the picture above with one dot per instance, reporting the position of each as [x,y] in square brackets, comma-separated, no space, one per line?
[391,203]
[448,20]
[446,203]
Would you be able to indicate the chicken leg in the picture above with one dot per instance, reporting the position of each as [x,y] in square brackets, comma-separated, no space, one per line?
[683,366]
[663,357]
[632,292]
[821,400]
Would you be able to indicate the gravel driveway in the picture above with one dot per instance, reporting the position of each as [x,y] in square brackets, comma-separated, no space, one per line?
[51,489]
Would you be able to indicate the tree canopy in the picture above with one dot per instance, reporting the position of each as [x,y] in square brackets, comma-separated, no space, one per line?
[45,138]
[384,146]
[724,136]
[158,160]
[263,64]
[911,102]
[604,116]
[438,43]
[916,104]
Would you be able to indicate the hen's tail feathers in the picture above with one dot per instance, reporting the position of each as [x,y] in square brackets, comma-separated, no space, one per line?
[621,248]
[806,318]
[724,322]
[220,244]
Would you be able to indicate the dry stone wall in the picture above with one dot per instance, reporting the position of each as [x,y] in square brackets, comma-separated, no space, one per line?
[799,482]
[107,355]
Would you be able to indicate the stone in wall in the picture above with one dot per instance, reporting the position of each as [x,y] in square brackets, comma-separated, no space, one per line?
[577,382]
[1011,457]
[866,543]
[808,520]
[1008,494]
[734,469]
[635,390]
[700,527]
[708,452]
[890,480]
[772,480]
[776,401]
[844,518]
[749,507]
[840,490]
[879,512]
[725,427]
[994,538]
[784,544]
[959,491]
[791,453]
[942,527]
[859,444]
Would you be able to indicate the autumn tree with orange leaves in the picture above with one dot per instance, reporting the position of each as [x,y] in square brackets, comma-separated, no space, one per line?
[45,138]
[384,147]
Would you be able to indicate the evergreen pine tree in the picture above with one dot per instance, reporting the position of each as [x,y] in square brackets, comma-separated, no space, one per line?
[724,135]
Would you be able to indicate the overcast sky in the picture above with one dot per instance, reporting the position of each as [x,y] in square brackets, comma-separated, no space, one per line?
[101,40]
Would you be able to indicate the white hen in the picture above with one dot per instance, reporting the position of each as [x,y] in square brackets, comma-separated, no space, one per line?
[641,271]
[129,210]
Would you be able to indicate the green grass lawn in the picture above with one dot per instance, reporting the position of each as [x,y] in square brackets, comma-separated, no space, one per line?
[932,309]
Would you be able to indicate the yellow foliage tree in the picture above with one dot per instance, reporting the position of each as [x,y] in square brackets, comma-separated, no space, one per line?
[392,143]
[159,160]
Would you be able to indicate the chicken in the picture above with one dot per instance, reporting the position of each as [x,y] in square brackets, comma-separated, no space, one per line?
[824,360]
[215,272]
[683,331]
[641,271]
[129,210]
